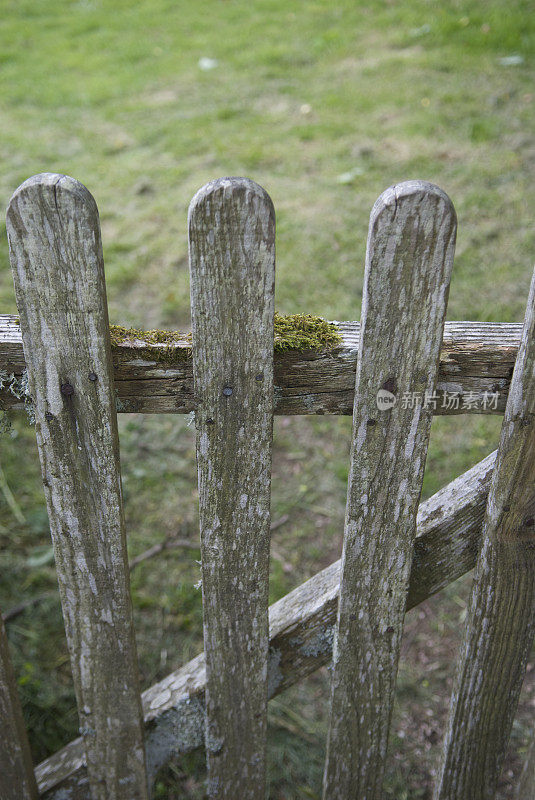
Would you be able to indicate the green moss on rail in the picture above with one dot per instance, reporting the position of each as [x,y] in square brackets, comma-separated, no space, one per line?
[120,335]
[305,332]
[294,332]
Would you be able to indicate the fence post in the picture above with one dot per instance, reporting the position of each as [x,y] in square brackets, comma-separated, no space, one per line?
[232,262]
[17,779]
[501,616]
[408,267]
[56,256]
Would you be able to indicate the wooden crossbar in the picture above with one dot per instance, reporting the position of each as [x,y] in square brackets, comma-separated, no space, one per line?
[476,358]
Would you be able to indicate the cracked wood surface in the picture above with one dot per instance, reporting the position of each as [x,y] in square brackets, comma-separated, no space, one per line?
[476,357]
[17,778]
[56,256]
[232,264]
[409,260]
[301,633]
[501,614]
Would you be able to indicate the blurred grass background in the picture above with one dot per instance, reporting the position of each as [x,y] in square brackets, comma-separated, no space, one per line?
[325,104]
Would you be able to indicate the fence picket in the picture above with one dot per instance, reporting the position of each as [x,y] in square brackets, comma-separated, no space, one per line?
[232,261]
[17,778]
[501,617]
[56,256]
[408,266]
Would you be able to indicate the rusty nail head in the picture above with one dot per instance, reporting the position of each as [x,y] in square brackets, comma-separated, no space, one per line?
[390,385]
[67,389]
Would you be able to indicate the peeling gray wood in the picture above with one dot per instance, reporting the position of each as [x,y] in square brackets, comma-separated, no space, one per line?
[476,357]
[301,632]
[232,264]
[17,779]
[501,614]
[409,260]
[56,256]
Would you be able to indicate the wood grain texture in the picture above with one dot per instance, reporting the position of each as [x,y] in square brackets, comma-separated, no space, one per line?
[301,632]
[501,614]
[232,263]
[476,357]
[17,778]
[56,256]
[409,260]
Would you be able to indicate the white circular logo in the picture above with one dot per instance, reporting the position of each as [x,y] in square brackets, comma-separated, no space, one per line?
[385,400]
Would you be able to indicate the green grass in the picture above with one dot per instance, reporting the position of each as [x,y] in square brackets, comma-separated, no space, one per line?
[324,104]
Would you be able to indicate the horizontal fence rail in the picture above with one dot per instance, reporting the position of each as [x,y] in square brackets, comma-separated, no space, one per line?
[476,364]
[301,633]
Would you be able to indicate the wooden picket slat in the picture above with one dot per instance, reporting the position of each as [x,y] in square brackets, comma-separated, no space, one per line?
[408,267]
[501,615]
[56,256]
[17,778]
[232,262]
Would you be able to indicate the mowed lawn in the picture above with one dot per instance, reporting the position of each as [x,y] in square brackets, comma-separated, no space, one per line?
[325,104]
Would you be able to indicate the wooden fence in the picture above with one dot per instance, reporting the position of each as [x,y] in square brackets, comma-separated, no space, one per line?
[396,369]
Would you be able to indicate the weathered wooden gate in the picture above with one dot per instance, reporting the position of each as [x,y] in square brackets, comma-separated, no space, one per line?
[408,364]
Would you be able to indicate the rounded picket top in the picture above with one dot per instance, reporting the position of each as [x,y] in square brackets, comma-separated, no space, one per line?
[51,215]
[251,202]
[416,193]
[52,188]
